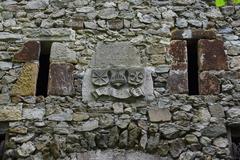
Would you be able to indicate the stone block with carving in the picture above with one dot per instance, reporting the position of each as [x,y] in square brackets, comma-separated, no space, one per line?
[116,73]
[211,55]
[60,81]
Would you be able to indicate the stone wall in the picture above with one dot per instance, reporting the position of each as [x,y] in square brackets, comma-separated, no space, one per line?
[148,116]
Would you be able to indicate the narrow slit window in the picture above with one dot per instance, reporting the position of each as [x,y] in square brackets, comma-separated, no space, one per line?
[42,82]
[235,142]
[192,49]
[2,144]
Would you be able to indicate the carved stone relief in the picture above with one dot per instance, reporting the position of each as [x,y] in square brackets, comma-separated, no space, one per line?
[100,77]
[118,86]
[116,73]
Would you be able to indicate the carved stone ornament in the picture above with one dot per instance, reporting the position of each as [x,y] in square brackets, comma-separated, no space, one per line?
[123,93]
[135,76]
[118,77]
[100,77]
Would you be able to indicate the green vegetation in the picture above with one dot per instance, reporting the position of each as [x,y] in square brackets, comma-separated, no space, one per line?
[221,3]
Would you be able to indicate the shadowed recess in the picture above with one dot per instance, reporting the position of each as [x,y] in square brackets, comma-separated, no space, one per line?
[42,82]
[192,49]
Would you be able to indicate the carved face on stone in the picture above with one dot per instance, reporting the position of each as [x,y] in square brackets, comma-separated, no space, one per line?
[100,77]
[118,77]
[135,76]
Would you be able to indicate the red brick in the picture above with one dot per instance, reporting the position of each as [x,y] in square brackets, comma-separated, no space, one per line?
[178,51]
[211,55]
[60,81]
[29,52]
[208,84]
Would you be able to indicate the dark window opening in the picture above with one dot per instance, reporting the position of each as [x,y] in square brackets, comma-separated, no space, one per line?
[3,129]
[192,49]
[235,142]
[2,143]
[42,82]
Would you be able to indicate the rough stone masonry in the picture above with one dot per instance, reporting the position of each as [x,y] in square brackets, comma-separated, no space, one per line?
[119,80]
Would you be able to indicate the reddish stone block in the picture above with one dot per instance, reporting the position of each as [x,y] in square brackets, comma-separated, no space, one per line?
[211,55]
[60,81]
[178,79]
[179,66]
[29,52]
[180,34]
[208,84]
[178,51]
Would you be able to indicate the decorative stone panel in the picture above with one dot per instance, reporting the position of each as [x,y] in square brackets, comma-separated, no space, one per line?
[211,55]
[60,81]
[208,84]
[29,52]
[117,74]
[27,81]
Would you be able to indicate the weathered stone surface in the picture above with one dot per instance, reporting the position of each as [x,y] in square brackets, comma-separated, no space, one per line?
[4,98]
[211,55]
[5,65]
[40,4]
[118,108]
[27,81]
[159,115]
[26,149]
[61,116]
[233,112]
[177,147]
[11,113]
[29,52]
[115,54]
[221,142]
[24,138]
[234,64]
[214,130]
[34,113]
[216,110]
[75,22]
[115,24]
[117,153]
[60,80]
[178,51]
[61,53]
[80,116]
[88,126]
[193,34]
[184,2]
[52,34]
[153,142]
[10,36]
[178,80]
[208,84]
[108,13]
